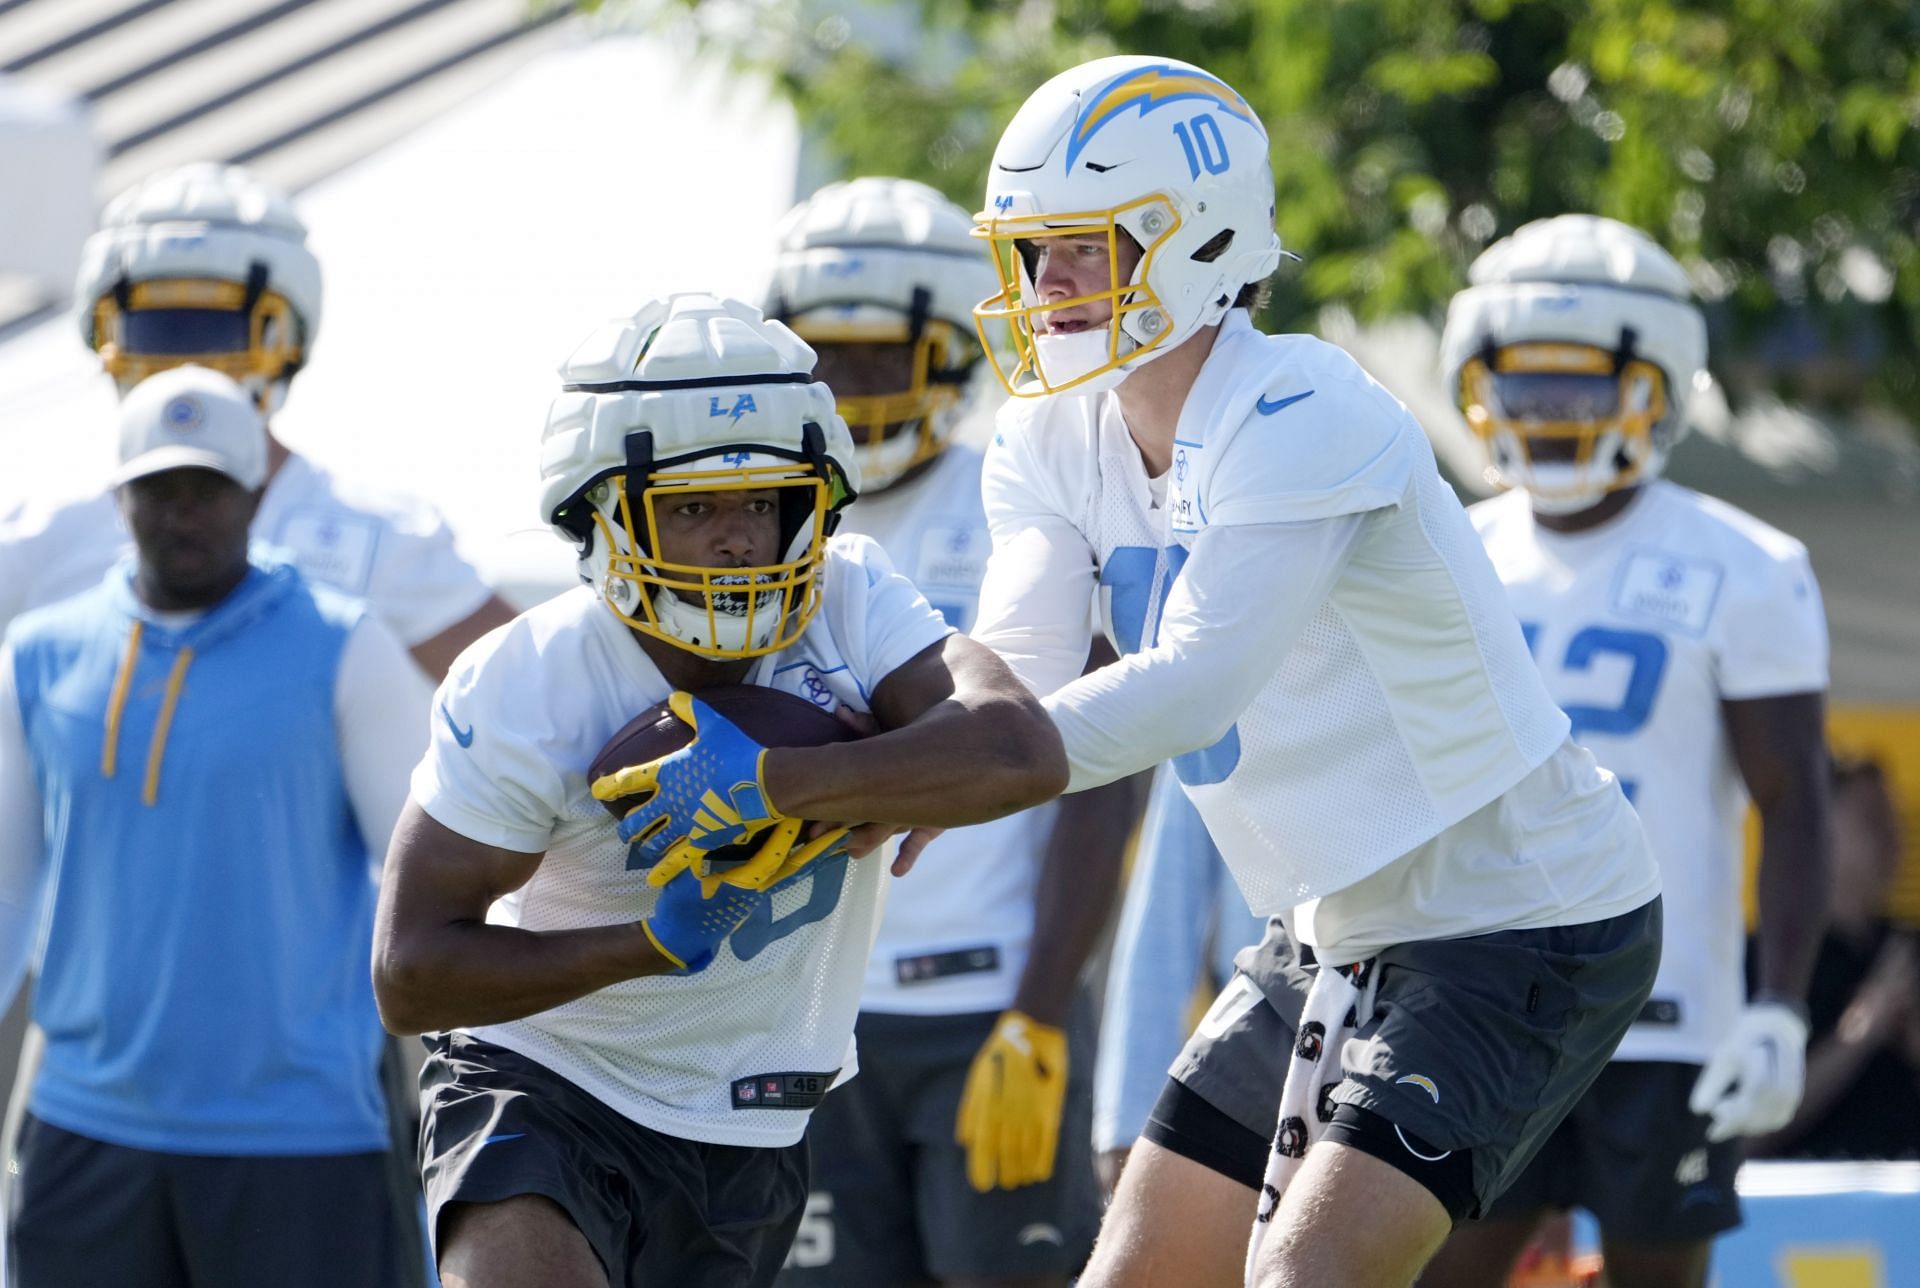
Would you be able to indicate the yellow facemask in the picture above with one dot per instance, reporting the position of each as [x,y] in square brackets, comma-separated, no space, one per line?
[1036,363]
[721,613]
[157,325]
[875,420]
[1568,422]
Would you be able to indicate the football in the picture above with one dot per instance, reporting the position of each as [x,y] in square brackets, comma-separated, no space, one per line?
[768,716]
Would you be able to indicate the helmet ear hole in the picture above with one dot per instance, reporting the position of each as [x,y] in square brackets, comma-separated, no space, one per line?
[576,522]
[1214,247]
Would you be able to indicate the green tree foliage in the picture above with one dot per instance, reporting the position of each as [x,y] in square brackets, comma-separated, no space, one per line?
[1771,144]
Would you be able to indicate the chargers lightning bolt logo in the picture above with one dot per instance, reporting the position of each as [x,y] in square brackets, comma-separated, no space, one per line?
[1421,1081]
[741,406]
[1148,88]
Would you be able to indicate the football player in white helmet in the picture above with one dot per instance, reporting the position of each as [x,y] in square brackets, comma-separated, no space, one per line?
[976,1052]
[1314,636]
[1686,642]
[209,265]
[624,1053]
[201,264]
[1178,212]
[880,276]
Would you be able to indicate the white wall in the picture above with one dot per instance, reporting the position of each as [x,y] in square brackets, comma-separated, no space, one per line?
[461,265]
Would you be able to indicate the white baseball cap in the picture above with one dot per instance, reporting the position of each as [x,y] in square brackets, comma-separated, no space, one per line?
[192,418]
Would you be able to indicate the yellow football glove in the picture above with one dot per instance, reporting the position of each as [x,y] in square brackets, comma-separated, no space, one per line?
[1009,1117]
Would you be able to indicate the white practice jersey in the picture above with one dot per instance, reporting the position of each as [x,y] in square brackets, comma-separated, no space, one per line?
[958,927]
[1642,626]
[516,724]
[392,551]
[1406,703]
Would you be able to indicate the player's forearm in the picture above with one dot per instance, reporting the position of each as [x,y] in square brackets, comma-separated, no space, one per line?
[963,762]
[1780,746]
[1792,893]
[465,973]
[435,655]
[1074,896]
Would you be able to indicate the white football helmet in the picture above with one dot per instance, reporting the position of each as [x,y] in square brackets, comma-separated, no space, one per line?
[695,394]
[201,264]
[1573,354]
[880,276]
[1156,149]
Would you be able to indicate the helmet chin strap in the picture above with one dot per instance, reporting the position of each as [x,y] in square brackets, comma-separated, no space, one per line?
[1562,489]
[1068,357]
[1563,503]
[689,623]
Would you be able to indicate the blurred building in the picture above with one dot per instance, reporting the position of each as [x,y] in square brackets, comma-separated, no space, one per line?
[484,181]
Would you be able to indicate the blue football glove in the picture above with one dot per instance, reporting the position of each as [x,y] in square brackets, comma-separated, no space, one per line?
[688,927]
[704,797]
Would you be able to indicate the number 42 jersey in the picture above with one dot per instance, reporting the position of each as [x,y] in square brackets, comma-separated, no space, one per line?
[1642,627]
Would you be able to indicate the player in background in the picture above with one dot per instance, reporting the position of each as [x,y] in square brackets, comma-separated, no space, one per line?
[622,1067]
[1686,642]
[960,1154]
[1183,925]
[201,761]
[1315,635]
[207,264]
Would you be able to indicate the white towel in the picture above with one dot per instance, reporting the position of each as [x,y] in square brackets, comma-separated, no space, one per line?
[1332,1011]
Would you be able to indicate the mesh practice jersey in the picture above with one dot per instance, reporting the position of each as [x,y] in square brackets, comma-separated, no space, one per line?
[515,726]
[1401,702]
[1642,626]
[958,928]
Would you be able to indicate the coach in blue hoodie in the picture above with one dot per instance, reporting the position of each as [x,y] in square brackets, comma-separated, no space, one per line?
[201,759]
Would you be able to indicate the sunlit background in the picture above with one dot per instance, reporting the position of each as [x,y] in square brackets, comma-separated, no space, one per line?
[486,179]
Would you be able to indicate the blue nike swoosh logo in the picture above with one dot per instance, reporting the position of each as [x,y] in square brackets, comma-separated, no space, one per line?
[1266,408]
[510,1135]
[462,736]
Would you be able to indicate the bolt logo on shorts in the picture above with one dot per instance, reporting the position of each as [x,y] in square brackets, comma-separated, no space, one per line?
[1423,1082]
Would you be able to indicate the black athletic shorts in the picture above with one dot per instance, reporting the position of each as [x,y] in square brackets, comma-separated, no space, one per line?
[891,1203]
[656,1209]
[1635,1155]
[86,1212]
[1476,1046]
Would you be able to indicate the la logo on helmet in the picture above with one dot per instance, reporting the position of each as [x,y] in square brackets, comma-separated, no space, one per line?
[741,406]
